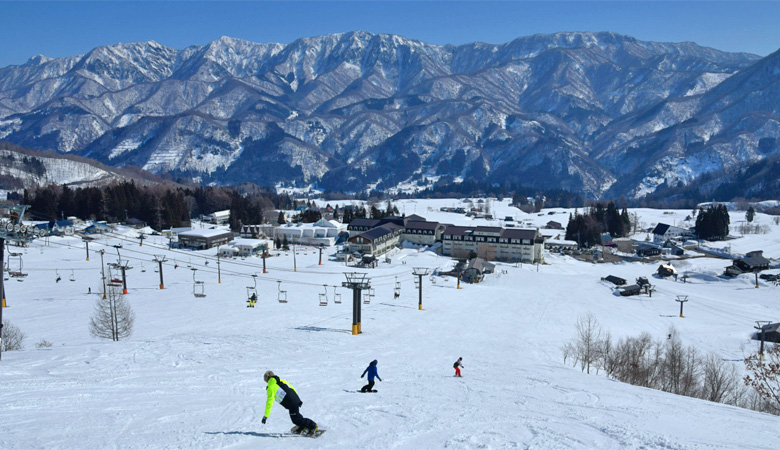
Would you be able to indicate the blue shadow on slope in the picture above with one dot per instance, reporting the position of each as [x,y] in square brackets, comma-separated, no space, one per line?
[335,330]
[253,433]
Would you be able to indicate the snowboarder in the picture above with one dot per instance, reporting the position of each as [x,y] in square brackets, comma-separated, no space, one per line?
[371,370]
[280,390]
[458,364]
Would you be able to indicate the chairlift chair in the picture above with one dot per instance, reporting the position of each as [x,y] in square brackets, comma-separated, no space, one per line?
[282,295]
[336,296]
[72,275]
[251,293]
[198,287]
[143,269]
[57,276]
[324,297]
[367,295]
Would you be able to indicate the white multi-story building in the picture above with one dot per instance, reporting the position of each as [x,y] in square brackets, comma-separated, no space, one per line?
[322,232]
[494,243]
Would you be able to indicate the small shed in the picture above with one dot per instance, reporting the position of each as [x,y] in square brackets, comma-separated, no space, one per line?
[771,332]
[617,281]
[476,269]
[646,249]
[631,289]
[666,270]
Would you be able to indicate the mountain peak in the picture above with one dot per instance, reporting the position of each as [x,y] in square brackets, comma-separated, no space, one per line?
[37,60]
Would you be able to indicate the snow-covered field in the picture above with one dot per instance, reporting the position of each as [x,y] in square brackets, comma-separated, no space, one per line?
[190,376]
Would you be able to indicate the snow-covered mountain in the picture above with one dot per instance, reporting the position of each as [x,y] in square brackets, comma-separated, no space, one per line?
[598,113]
[23,168]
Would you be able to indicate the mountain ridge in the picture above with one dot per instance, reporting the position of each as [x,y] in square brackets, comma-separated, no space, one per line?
[585,111]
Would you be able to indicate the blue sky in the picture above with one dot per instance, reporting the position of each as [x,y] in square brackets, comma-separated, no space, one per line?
[65,28]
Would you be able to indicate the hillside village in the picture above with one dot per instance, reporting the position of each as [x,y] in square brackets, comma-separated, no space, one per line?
[466,233]
[245,292]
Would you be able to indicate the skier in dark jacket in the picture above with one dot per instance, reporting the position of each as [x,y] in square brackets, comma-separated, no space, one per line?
[281,391]
[371,370]
[458,364]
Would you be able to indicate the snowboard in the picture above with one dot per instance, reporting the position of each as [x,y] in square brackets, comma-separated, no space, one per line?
[318,433]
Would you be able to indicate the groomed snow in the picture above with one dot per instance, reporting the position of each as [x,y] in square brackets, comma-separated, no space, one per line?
[190,376]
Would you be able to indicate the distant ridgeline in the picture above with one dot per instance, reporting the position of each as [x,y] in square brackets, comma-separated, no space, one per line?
[599,115]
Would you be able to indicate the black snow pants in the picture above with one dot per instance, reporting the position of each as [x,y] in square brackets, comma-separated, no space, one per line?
[367,387]
[298,419]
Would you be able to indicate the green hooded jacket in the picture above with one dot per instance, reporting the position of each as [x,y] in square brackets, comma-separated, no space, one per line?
[282,392]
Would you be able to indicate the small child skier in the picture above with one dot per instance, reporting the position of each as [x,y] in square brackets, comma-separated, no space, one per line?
[458,364]
[371,369]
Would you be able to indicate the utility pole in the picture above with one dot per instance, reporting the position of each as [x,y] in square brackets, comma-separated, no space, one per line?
[761,328]
[141,237]
[295,264]
[320,254]
[219,270]
[756,273]
[103,270]
[682,299]
[265,253]
[160,259]
[420,272]
[357,282]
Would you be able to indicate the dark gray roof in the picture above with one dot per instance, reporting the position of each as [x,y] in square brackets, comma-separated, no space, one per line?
[487,229]
[518,233]
[415,218]
[661,229]
[360,222]
[480,264]
[755,258]
[415,225]
[457,231]
[377,232]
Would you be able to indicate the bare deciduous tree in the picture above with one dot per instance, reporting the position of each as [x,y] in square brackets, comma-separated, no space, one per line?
[766,376]
[586,349]
[720,381]
[12,337]
[113,318]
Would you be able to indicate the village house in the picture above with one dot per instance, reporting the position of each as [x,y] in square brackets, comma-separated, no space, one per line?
[217,217]
[663,232]
[646,249]
[752,262]
[475,270]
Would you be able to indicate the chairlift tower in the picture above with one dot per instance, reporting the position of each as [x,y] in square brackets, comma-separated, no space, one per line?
[420,272]
[761,326]
[14,230]
[160,259]
[682,299]
[357,282]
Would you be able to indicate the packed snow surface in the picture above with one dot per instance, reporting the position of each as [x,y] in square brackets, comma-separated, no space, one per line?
[191,374]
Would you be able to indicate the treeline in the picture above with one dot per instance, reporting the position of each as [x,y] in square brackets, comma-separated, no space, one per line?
[712,223]
[160,206]
[587,228]
[447,188]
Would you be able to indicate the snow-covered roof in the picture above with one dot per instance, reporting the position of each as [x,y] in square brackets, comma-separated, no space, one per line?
[204,232]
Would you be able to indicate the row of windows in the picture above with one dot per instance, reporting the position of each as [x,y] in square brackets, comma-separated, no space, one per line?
[491,240]
[418,231]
